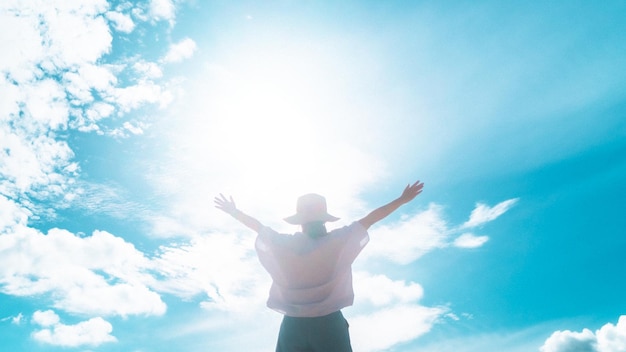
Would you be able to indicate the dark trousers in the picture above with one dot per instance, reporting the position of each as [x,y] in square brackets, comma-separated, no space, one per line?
[320,334]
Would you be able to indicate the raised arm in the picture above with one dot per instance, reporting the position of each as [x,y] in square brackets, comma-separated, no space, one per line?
[409,193]
[229,207]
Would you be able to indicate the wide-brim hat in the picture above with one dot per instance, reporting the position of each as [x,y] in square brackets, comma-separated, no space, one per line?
[310,208]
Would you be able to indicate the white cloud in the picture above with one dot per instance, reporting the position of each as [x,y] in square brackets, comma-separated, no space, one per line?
[221,267]
[609,338]
[612,338]
[46,105]
[99,274]
[24,41]
[15,320]
[92,332]
[394,313]
[12,215]
[180,51]
[380,290]
[569,341]
[9,105]
[162,9]
[387,327]
[77,34]
[121,22]
[148,69]
[54,78]
[468,240]
[81,83]
[30,163]
[46,318]
[134,129]
[411,237]
[89,119]
[415,235]
[483,213]
[132,97]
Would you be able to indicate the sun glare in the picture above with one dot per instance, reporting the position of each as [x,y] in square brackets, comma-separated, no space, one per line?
[266,124]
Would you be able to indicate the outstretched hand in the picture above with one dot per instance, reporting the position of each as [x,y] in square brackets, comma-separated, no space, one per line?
[225,204]
[411,191]
[228,206]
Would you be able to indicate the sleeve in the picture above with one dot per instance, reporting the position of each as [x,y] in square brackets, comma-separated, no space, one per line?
[263,245]
[269,244]
[356,239]
[265,238]
[268,238]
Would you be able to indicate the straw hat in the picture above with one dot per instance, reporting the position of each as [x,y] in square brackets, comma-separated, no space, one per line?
[310,207]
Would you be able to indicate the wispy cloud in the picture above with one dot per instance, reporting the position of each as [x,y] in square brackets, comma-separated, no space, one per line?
[15,320]
[526,339]
[220,267]
[415,235]
[484,213]
[411,237]
[468,240]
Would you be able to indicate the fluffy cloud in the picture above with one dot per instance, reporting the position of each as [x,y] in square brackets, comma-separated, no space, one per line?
[12,216]
[609,338]
[381,291]
[162,9]
[99,274]
[395,315]
[612,338]
[47,36]
[55,77]
[46,318]
[121,22]
[180,51]
[39,166]
[569,341]
[390,326]
[148,69]
[92,332]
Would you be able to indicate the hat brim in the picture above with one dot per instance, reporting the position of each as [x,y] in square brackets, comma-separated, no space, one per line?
[299,219]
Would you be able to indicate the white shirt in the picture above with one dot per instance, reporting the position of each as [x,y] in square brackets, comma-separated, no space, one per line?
[311,277]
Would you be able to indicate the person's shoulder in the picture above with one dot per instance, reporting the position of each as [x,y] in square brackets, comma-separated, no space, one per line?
[269,234]
[354,227]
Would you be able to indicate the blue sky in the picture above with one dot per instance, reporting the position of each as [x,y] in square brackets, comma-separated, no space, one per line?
[119,122]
